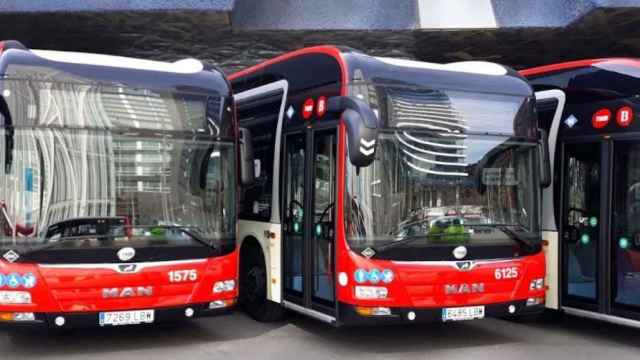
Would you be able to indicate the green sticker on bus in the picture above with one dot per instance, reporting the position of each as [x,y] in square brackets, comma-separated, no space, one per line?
[593,221]
[296,227]
[585,239]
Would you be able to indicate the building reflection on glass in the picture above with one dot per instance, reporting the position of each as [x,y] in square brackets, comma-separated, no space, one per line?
[90,151]
[435,170]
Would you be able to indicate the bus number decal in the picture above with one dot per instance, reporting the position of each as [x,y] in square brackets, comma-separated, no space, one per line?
[506,273]
[183,275]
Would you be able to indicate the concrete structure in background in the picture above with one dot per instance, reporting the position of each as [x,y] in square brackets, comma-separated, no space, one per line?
[237,33]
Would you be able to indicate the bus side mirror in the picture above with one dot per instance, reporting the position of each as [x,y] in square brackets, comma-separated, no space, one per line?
[545,171]
[247,174]
[362,128]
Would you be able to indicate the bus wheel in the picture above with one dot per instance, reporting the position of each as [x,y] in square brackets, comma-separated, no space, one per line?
[253,289]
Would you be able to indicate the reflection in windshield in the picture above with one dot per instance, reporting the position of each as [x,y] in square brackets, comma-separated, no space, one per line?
[434,182]
[84,152]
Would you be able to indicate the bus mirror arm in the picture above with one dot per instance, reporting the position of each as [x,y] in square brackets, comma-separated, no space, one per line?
[8,134]
[545,178]
[247,173]
[362,128]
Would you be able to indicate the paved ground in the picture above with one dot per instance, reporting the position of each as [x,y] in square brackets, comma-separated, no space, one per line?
[238,337]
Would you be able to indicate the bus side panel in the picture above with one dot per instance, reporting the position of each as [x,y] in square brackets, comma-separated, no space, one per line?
[271,248]
[552,281]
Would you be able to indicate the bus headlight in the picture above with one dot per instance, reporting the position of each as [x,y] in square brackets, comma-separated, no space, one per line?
[15,297]
[224,286]
[536,284]
[371,292]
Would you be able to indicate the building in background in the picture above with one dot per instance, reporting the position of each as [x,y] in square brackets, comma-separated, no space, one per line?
[236,33]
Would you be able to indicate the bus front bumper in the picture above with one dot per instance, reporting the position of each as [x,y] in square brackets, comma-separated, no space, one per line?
[352,315]
[91,319]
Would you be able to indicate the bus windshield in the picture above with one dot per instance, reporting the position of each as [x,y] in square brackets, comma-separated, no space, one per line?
[106,167]
[435,183]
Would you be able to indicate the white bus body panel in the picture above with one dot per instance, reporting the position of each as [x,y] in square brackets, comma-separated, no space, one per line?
[552,280]
[549,226]
[271,247]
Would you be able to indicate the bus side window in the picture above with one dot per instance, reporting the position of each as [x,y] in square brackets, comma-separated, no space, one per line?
[256,198]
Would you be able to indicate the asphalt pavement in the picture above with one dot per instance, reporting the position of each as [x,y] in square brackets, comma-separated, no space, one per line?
[299,338]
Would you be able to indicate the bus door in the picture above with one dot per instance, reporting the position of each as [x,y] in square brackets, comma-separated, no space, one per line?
[601,227]
[581,224]
[309,194]
[625,229]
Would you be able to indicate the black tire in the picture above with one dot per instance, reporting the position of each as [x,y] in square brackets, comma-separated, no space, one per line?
[253,289]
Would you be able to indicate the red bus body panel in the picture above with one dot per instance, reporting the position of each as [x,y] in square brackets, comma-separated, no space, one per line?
[422,284]
[79,288]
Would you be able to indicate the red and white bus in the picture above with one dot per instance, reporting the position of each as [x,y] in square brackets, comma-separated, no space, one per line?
[591,212]
[388,190]
[117,190]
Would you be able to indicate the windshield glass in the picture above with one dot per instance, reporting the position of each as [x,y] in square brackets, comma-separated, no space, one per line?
[459,199]
[437,183]
[112,167]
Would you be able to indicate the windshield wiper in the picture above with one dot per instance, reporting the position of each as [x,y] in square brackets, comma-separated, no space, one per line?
[515,235]
[59,241]
[52,243]
[186,229]
[396,243]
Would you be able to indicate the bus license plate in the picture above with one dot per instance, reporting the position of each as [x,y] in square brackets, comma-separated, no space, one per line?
[116,318]
[463,313]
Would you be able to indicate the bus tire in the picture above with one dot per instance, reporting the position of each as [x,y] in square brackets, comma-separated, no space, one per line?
[253,288]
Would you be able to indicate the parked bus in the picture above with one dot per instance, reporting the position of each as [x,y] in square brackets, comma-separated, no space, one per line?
[388,190]
[117,190]
[591,211]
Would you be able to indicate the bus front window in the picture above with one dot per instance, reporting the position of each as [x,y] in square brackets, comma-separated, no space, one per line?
[437,184]
[115,166]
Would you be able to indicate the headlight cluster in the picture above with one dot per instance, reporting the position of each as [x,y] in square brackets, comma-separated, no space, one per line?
[15,280]
[373,276]
[536,284]
[371,292]
[14,297]
[224,286]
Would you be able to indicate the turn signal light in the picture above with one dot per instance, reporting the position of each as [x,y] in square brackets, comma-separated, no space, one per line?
[219,304]
[535,301]
[19,316]
[373,311]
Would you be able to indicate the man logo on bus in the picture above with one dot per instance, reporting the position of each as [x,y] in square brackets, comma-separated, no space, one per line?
[464,265]
[127,268]
[127,292]
[452,289]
